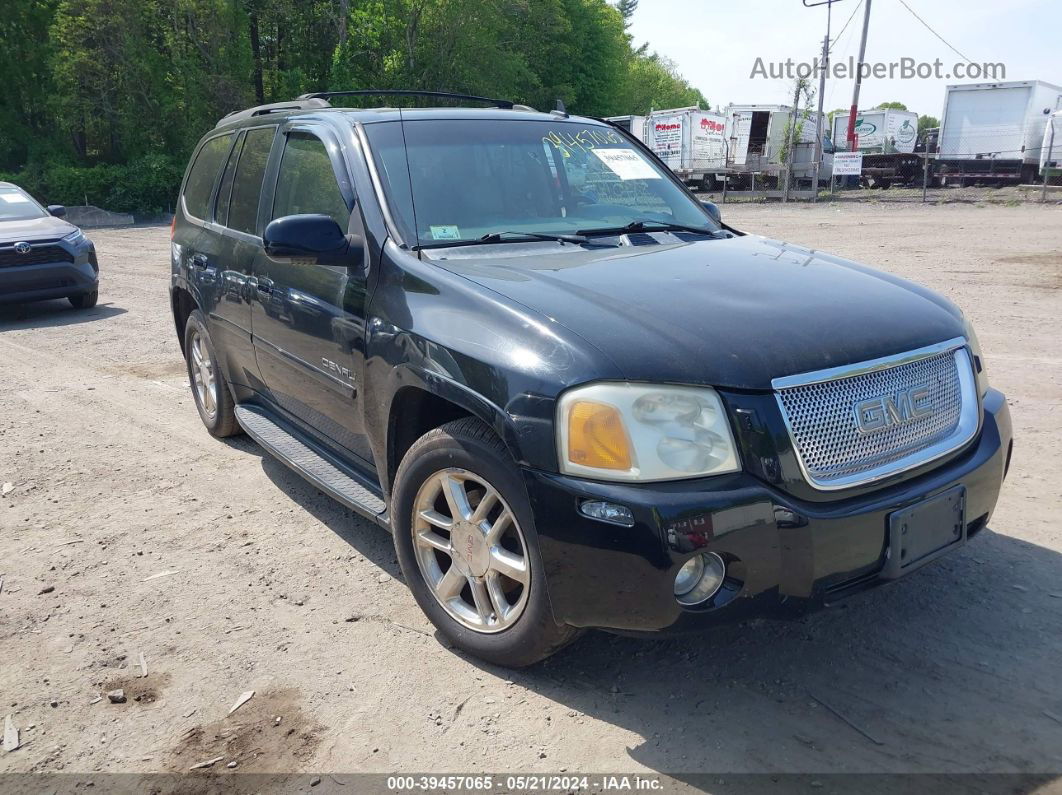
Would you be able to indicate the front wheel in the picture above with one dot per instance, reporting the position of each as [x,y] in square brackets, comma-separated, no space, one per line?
[466,542]
[84,300]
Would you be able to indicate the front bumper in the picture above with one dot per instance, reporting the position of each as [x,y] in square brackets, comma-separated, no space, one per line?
[785,554]
[76,275]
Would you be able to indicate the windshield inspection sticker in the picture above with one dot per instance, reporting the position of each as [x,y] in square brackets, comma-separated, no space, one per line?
[445,233]
[625,164]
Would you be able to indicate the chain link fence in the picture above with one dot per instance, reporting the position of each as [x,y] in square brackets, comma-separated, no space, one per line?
[960,169]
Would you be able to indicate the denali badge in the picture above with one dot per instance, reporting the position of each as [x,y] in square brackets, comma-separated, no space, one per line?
[904,407]
[337,369]
[23,248]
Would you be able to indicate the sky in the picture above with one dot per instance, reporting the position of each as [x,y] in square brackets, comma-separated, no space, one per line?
[715,44]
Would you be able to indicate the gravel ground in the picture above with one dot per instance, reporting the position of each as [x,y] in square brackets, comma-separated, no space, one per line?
[127,531]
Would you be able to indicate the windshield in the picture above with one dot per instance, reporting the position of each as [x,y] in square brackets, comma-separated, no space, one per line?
[454,181]
[15,205]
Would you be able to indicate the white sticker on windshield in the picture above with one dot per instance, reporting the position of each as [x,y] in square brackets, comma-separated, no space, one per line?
[13,198]
[445,233]
[626,164]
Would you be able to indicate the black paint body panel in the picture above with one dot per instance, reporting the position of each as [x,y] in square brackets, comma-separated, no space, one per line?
[500,331]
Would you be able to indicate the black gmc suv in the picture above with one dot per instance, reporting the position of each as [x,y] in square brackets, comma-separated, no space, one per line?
[41,255]
[573,395]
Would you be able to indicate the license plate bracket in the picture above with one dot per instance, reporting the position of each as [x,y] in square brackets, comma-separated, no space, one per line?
[924,531]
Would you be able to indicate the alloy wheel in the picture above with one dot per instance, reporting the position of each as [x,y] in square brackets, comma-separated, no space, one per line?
[471,550]
[202,370]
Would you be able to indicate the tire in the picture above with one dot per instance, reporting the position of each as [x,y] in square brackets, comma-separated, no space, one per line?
[84,300]
[215,405]
[466,451]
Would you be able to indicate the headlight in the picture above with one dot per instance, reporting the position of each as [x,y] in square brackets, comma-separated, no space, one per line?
[75,237]
[640,432]
[979,359]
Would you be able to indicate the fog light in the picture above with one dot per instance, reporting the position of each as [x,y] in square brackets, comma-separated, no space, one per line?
[699,578]
[607,512]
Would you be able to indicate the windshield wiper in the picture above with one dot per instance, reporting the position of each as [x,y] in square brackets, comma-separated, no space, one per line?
[511,237]
[501,237]
[648,226]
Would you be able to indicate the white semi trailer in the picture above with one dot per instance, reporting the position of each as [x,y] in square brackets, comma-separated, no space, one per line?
[994,132]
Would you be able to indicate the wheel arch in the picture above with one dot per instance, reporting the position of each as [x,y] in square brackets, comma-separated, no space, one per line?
[183,304]
[431,402]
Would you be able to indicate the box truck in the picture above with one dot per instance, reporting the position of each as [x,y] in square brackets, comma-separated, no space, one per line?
[690,141]
[994,132]
[635,125]
[756,138]
[880,131]
[888,139]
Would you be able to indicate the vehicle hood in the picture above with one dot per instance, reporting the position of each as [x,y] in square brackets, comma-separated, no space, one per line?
[47,228]
[733,312]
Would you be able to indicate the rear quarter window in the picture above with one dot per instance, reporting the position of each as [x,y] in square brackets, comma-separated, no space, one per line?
[204,171]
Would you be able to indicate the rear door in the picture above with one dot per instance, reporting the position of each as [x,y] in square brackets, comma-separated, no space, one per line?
[206,256]
[238,238]
[309,319]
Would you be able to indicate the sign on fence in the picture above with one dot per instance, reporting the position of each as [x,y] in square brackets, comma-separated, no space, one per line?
[847,164]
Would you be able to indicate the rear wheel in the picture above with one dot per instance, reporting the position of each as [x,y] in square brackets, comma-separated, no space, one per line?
[209,387]
[84,300]
[468,549]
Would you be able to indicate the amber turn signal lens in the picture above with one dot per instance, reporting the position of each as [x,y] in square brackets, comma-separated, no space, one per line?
[596,436]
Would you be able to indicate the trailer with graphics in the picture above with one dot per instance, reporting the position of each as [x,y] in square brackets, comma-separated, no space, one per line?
[691,142]
[994,132]
[888,139]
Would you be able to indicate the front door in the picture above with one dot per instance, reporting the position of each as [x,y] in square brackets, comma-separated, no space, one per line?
[308,320]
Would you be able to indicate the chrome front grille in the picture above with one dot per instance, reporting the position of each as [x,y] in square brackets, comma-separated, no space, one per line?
[857,424]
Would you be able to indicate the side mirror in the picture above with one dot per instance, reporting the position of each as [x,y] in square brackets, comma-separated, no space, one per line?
[713,210]
[313,236]
[57,210]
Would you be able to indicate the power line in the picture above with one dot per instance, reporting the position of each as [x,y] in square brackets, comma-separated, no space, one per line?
[927,27]
[846,24]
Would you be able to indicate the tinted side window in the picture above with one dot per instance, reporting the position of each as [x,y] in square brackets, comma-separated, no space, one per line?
[247,187]
[201,177]
[221,203]
[307,183]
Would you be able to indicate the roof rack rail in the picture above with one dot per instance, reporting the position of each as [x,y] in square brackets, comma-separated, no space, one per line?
[302,103]
[371,92]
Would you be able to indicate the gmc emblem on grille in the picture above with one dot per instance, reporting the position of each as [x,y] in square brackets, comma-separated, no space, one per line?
[903,408]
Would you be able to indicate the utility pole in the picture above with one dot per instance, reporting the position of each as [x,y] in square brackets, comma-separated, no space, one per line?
[858,80]
[789,143]
[824,67]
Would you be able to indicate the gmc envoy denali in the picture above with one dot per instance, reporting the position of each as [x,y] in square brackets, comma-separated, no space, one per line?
[574,396]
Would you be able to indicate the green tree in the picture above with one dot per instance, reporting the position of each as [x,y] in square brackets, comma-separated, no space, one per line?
[927,123]
[891,106]
[653,83]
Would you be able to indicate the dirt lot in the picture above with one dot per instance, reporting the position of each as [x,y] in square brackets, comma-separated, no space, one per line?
[128,530]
